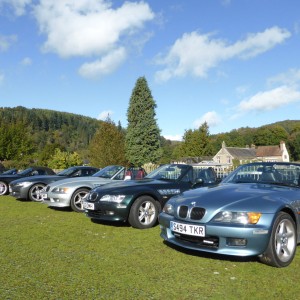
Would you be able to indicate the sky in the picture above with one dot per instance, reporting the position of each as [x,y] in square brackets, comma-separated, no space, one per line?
[230,63]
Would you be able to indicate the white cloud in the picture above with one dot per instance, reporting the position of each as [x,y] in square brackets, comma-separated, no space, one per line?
[177,137]
[196,54]
[6,41]
[105,114]
[88,27]
[211,118]
[26,61]
[18,6]
[226,2]
[103,66]
[242,89]
[269,100]
[91,28]
[291,78]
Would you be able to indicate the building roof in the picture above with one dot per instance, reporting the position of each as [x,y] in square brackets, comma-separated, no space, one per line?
[241,152]
[263,151]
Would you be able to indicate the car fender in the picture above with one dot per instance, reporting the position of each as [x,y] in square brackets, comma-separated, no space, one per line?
[295,216]
[151,193]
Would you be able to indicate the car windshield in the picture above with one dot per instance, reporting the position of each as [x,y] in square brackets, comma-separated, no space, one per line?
[273,173]
[108,172]
[168,172]
[25,172]
[67,172]
[10,172]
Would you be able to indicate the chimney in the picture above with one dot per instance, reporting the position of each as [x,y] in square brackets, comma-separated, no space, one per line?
[282,146]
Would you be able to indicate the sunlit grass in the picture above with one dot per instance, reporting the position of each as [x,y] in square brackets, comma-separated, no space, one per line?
[55,254]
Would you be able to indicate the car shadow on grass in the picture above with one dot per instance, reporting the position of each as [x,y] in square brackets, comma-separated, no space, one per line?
[66,209]
[23,200]
[111,223]
[212,255]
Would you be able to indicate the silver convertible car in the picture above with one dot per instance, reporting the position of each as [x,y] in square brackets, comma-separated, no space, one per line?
[70,192]
[254,211]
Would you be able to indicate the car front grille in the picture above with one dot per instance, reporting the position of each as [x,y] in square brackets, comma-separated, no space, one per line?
[196,213]
[183,211]
[95,213]
[204,242]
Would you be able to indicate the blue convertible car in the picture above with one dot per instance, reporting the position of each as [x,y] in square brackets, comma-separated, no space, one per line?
[255,211]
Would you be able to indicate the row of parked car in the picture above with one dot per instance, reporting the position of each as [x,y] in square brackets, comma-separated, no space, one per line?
[254,211]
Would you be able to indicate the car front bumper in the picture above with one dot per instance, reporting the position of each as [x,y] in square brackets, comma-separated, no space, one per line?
[56,200]
[19,193]
[219,239]
[108,211]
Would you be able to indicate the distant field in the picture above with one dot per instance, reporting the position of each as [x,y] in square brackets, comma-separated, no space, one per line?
[59,254]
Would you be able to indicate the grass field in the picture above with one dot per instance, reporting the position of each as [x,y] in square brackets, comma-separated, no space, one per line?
[58,254]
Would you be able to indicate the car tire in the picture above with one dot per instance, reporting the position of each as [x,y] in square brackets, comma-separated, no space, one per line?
[144,212]
[34,193]
[3,188]
[282,244]
[76,200]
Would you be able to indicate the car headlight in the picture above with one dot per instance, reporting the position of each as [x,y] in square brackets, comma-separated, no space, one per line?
[60,190]
[24,184]
[169,209]
[237,217]
[113,198]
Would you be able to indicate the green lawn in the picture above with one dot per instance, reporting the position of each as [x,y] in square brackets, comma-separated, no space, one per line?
[57,254]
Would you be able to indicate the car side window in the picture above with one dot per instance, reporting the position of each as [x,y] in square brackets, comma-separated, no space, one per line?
[188,177]
[120,176]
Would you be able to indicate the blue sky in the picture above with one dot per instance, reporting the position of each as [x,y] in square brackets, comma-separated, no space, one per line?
[231,63]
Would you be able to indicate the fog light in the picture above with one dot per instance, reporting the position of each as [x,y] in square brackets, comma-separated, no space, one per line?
[109,212]
[236,242]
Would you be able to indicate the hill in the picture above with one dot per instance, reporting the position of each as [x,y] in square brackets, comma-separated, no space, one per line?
[49,129]
[40,130]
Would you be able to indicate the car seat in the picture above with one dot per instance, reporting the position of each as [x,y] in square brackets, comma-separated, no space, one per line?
[128,175]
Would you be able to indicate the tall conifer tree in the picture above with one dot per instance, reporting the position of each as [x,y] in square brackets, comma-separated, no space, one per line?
[142,142]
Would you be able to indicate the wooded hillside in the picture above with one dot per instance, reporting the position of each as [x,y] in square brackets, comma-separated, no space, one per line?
[36,133]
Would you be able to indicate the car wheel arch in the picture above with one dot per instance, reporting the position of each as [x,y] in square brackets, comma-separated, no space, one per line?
[289,211]
[152,195]
[82,187]
[292,214]
[73,203]
[6,184]
[32,186]
[135,208]
[282,242]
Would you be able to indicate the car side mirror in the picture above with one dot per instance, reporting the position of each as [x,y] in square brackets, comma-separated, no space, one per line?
[198,182]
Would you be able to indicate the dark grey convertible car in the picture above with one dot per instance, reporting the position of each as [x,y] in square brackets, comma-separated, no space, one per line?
[5,179]
[29,188]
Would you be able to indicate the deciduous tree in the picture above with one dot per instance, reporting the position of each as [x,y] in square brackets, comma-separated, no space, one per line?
[107,146]
[196,143]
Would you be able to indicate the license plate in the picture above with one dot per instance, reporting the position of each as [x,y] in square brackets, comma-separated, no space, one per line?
[88,205]
[188,229]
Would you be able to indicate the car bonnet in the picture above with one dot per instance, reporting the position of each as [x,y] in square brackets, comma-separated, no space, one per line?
[239,197]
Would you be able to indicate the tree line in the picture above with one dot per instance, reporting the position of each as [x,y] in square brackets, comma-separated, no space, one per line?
[60,139]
